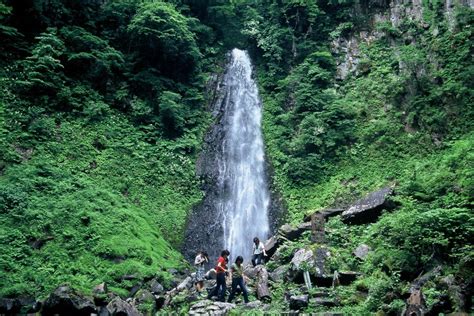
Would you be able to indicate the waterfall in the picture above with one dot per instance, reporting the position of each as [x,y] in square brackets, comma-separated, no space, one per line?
[237,204]
[242,190]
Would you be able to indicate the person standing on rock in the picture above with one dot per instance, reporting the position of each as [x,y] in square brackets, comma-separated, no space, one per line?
[221,271]
[258,252]
[199,262]
[237,271]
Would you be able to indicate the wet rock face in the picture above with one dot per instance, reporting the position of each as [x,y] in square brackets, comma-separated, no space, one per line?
[369,208]
[204,223]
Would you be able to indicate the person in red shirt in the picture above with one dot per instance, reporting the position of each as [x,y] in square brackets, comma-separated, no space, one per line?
[221,270]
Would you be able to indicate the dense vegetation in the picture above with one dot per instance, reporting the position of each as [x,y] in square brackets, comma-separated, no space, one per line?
[103,110]
[102,116]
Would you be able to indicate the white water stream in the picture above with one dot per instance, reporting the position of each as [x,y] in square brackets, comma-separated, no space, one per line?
[242,187]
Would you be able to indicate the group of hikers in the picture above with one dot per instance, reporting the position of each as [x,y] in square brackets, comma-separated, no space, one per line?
[221,269]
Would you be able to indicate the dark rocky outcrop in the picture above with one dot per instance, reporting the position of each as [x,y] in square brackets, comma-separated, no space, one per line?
[347,277]
[65,301]
[9,306]
[369,208]
[298,302]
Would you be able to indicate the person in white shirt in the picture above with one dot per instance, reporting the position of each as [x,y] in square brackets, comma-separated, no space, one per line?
[258,252]
[199,262]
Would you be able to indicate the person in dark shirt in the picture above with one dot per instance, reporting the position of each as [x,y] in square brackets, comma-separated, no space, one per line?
[221,271]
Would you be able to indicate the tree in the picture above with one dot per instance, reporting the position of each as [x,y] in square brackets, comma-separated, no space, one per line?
[162,39]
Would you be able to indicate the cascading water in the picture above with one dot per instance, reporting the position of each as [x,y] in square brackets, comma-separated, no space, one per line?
[243,196]
[237,205]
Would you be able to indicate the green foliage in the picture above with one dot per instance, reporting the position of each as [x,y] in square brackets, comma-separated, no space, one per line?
[43,67]
[163,38]
[171,115]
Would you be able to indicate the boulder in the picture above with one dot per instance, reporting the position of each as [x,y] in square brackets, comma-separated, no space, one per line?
[29,305]
[103,311]
[211,274]
[271,245]
[156,287]
[302,258]
[100,289]
[119,307]
[144,296]
[135,289]
[416,304]
[292,233]
[185,284]
[207,307]
[65,301]
[369,208]
[279,273]
[318,223]
[320,257]
[361,251]
[9,306]
[327,302]
[253,305]
[100,295]
[298,302]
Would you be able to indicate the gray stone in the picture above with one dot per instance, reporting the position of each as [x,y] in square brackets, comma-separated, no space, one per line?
[253,305]
[298,302]
[185,284]
[223,305]
[100,289]
[119,307]
[369,208]
[320,257]
[271,245]
[278,274]
[362,251]
[156,287]
[144,296]
[201,304]
[303,257]
[292,233]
